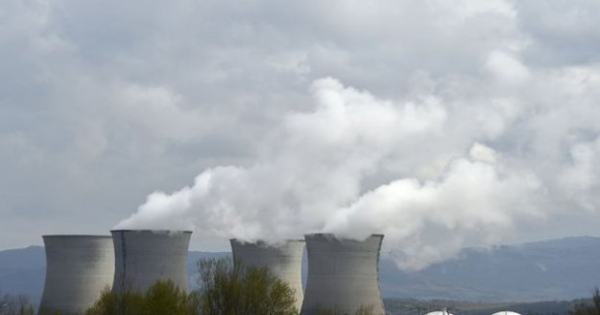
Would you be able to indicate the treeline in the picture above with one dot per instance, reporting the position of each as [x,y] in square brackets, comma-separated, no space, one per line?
[225,289]
[15,305]
[420,307]
[588,308]
[230,289]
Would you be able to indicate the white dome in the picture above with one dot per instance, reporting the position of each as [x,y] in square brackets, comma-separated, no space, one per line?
[506,313]
[439,313]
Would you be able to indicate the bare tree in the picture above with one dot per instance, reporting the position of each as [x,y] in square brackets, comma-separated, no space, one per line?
[231,289]
[587,308]
[15,305]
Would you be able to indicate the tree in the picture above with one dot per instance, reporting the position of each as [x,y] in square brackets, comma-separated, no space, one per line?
[363,310]
[232,289]
[162,298]
[225,290]
[166,298]
[586,308]
[15,305]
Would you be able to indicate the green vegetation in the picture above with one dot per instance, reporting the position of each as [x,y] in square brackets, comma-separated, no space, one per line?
[15,305]
[363,310]
[162,298]
[228,289]
[225,290]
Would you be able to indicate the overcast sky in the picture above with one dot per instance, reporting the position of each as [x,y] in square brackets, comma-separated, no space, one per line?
[104,102]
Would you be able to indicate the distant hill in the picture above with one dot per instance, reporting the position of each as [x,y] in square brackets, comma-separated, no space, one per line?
[561,269]
[22,271]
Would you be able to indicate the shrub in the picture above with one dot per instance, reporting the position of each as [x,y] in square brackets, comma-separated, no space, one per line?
[225,290]
[231,289]
[587,309]
[363,310]
[162,298]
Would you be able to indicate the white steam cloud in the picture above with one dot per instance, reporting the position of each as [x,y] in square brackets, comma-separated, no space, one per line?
[319,172]
[479,128]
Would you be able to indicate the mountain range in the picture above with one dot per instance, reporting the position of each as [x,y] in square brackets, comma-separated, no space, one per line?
[559,269]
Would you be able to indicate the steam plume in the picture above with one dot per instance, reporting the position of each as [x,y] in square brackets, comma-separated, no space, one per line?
[354,165]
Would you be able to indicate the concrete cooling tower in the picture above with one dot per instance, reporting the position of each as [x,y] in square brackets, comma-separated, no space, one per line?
[143,257]
[283,261]
[78,269]
[343,275]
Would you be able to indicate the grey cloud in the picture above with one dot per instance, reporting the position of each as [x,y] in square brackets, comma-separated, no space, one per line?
[104,102]
[560,32]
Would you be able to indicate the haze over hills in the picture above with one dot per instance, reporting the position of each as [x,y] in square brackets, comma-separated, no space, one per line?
[550,270]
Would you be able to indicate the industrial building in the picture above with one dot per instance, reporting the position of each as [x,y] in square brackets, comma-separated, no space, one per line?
[143,257]
[343,275]
[282,260]
[78,269]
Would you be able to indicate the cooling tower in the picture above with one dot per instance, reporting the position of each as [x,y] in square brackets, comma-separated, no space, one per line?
[343,275]
[283,261]
[78,269]
[143,257]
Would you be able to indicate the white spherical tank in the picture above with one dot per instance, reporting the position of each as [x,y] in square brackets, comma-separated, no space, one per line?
[506,313]
[143,257]
[283,260]
[78,269]
[343,275]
